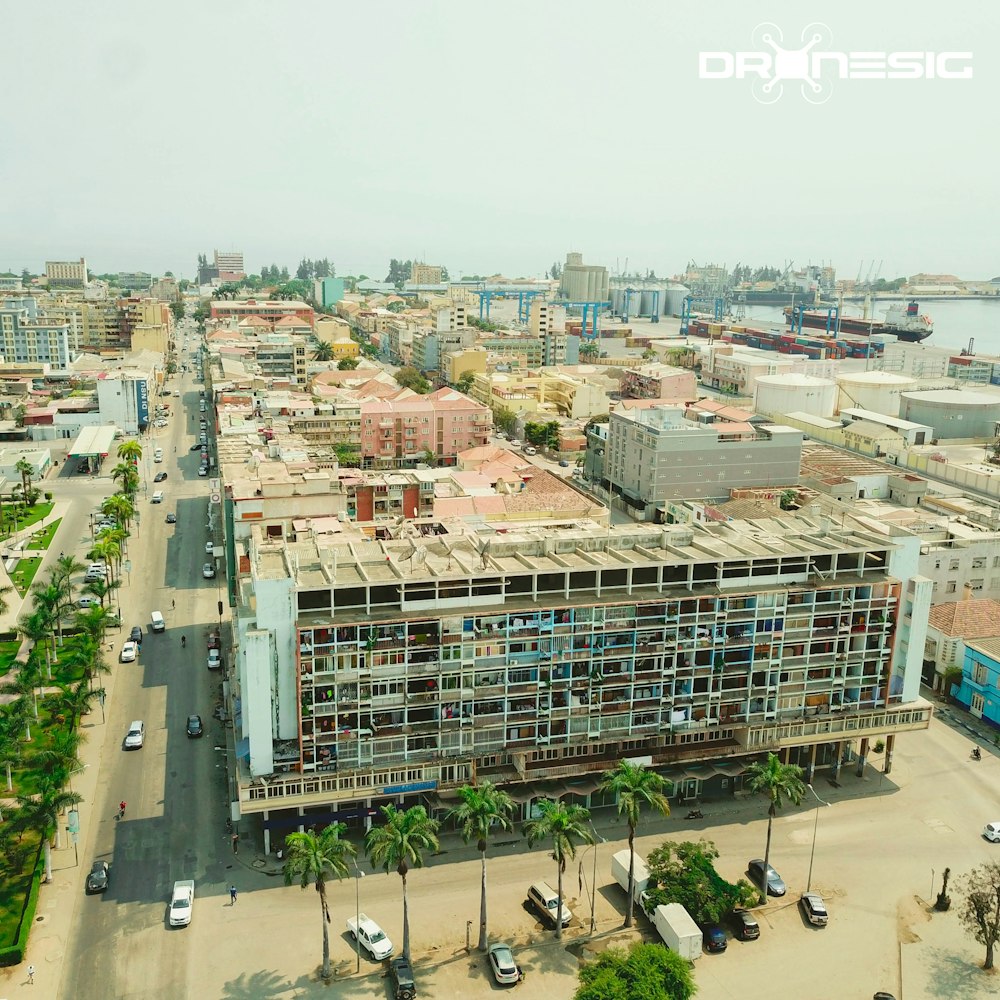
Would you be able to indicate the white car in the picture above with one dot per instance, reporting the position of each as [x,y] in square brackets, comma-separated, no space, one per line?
[210,548]
[135,736]
[371,937]
[502,964]
[208,571]
[214,659]
[129,652]
[992,832]
[181,903]
[202,471]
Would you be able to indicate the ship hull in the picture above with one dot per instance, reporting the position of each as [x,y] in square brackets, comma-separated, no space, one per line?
[860,327]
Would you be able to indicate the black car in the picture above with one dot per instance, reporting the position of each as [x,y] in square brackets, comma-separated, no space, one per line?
[171,518]
[713,937]
[135,635]
[194,726]
[97,880]
[403,986]
[745,925]
[159,477]
[195,446]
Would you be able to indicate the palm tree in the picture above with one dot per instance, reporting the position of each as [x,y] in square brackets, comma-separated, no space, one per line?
[75,701]
[10,745]
[60,757]
[563,826]
[100,590]
[130,451]
[26,470]
[483,806]
[4,604]
[125,471]
[120,508]
[399,843]
[312,857]
[778,781]
[635,787]
[94,621]
[41,813]
[323,352]
[24,685]
[110,552]
[36,628]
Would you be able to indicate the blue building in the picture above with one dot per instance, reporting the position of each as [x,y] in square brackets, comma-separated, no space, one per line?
[980,687]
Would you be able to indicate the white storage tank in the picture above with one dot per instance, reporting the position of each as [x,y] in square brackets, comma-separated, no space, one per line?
[776,395]
[876,391]
[955,414]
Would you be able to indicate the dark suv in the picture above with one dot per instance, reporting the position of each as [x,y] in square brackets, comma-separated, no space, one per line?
[403,986]
[745,925]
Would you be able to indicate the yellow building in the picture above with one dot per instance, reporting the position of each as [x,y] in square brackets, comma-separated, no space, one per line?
[457,363]
[542,393]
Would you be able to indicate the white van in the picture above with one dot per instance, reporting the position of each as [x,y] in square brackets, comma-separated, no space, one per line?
[158,455]
[157,497]
[159,624]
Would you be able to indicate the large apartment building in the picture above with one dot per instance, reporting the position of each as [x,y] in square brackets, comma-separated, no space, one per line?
[29,336]
[66,273]
[399,669]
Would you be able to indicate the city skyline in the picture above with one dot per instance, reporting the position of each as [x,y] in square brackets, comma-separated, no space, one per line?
[491,143]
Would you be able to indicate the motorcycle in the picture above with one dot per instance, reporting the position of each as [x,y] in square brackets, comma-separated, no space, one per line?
[976,754]
[695,814]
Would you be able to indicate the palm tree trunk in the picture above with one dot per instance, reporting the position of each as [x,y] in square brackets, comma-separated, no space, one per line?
[10,783]
[559,903]
[406,920]
[482,907]
[326,932]
[631,876]
[47,848]
[767,853]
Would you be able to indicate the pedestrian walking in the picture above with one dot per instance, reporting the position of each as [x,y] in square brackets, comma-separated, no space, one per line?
[236,843]
[232,895]
[121,809]
[31,975]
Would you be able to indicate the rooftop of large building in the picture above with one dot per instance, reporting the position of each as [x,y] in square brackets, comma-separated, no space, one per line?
[971,619]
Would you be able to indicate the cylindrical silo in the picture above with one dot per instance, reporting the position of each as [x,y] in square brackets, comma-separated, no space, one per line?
[875,391]
[955,414]
[778,395]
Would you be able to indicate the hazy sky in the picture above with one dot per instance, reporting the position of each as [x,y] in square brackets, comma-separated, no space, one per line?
[489,136]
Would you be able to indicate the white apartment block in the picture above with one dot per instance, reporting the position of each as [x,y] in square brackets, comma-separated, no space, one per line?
[67,272]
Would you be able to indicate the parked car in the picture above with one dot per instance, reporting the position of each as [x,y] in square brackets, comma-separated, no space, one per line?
[545,899]
[97,879]
[171,518]
[713,937]
[745,925]
[563,464]
[195,446]
[502,964]
[370,936]
[136,635]
[135,736]
[208,571]
[775,883]
[194,726]
[202,472]
[87,602]
[814,909]
[992,832]
[214,659]
[159,477]
[129,652]
[403,986]
[210,547]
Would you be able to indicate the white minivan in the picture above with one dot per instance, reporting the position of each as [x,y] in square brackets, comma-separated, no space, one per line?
[157,497]
[157,620]
[158,455]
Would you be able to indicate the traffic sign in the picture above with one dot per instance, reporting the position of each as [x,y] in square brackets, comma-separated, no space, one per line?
[216,498]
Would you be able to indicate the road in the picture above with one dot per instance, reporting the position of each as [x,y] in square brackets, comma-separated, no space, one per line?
[174,786]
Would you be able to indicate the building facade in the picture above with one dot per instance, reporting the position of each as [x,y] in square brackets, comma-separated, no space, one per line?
[125,400]
[399,669]
[66,273]
[29,336]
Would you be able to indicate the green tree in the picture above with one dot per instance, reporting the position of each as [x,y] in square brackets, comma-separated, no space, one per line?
[778,782]
[348,364]
[465,380]
[644,972]
[126,472]
[347,455]
[26,471]
[635,788]
[11,749]
[41,813]
[685,873]
[311,857]
[130,451]
[980,912]
[120,507]
[505,419]
[589,349]
[564,827]
[323,352]
[409,378]
[177,308]
[483,806]
[399,843]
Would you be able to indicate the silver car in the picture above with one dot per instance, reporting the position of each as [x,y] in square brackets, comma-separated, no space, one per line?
[502,965]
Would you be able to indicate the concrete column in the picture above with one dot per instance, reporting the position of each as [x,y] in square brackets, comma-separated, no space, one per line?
[838,750]
[811,768]
[267,835]
[862,758]
[890,745]
[302,827]
[368,819]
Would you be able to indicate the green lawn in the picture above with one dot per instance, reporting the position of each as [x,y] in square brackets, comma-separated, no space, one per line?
[32,516]
[8,652]
[24,573]
[43,539]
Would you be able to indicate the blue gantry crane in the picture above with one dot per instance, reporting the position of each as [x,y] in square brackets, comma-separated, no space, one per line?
[694,304]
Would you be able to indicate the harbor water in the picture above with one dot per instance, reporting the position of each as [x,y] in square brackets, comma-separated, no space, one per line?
[956,322]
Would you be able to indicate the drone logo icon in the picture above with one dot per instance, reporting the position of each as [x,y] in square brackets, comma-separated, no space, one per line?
[814,64]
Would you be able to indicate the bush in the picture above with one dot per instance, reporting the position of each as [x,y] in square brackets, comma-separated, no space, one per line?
[48,494]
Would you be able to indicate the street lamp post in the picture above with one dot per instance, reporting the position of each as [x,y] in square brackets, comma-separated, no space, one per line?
[812,852]
[358,876]
[598,839]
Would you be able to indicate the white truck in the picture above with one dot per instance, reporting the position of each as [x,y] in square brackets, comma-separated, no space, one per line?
[619,872]
[679,931]
[181,903]
[371,937]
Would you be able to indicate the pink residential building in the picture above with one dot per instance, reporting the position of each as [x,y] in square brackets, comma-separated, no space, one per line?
[401,432]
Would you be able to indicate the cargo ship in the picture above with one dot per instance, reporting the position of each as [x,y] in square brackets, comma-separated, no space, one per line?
[814,346]
[907,324]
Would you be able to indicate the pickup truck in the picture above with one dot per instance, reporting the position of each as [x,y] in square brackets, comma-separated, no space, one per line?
[181,903]
[371,937]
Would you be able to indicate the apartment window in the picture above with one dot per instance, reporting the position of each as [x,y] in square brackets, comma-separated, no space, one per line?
[950,589]
[980,674]
[954,564]
[979,562]
[976,585]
